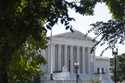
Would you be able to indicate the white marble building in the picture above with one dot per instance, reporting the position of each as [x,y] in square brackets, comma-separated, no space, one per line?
[102,64]
[66,49]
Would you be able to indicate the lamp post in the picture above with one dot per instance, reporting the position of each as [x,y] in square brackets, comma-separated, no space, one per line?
[115,53]
[76,66]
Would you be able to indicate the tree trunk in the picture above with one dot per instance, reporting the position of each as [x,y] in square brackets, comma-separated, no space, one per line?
[3,75]
[5,56]
[3,71]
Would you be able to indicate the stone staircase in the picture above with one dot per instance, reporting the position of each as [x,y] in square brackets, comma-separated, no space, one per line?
[105,78]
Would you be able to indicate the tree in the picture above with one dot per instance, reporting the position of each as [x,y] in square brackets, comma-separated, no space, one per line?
[111,32]
[22,23]
[117,8]
[120,67]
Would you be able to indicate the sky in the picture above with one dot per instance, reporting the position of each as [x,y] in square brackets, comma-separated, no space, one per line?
[82,24]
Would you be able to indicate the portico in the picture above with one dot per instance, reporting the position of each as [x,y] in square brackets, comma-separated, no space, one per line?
[68,48]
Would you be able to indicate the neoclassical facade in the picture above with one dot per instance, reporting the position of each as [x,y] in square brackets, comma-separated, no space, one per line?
[67,48]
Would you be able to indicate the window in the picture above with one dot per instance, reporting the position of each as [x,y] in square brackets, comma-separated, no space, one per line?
[103,72]
[98,70]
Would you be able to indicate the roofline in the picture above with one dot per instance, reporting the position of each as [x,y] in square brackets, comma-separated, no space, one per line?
[56,35]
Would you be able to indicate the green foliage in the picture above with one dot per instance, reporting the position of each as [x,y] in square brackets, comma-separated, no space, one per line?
[117,8]
[120,75]
[25,66]
[112,31]
[23,26]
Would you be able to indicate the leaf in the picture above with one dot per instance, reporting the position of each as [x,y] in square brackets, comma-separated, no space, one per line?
[48,27]
[71,30]
[67,27]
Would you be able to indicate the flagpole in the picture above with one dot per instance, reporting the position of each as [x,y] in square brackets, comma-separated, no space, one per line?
[51,71]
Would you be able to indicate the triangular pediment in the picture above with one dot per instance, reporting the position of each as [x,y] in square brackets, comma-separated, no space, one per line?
[73,35]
